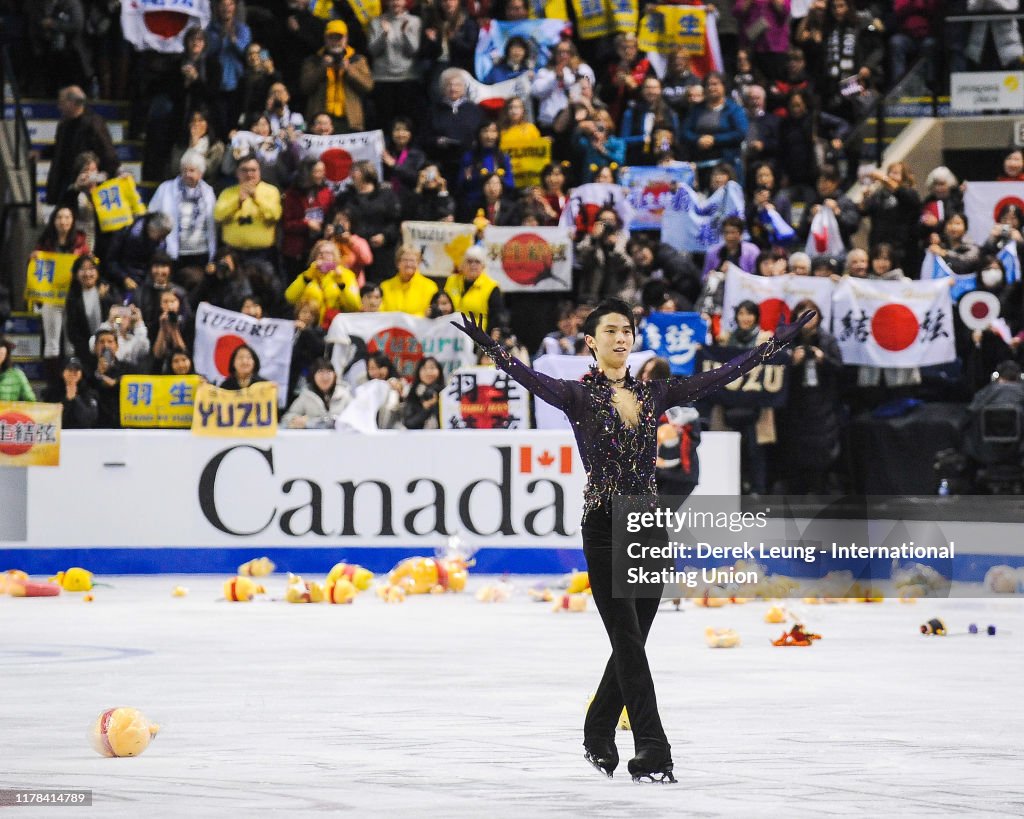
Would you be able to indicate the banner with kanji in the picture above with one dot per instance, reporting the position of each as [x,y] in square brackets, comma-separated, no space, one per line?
[220,332]
[983,201]
[529,259]
[30,433]
[405,339]
[650,190]
[48,277]
[484,398]
[893,323]
[116,203]
[160,25]
[587,200]
[693,223]
[541,36]
[441,245]
[339,152]
[676,337]
[666,27]
[550,9]
[158,401]
[592,19]
[764,386]
[246,413]
[776,296]
[528,158]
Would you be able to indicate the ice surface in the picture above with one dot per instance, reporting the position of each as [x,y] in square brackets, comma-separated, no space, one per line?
[444,706]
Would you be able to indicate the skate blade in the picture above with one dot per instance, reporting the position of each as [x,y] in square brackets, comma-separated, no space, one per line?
[658,778]
[607,772]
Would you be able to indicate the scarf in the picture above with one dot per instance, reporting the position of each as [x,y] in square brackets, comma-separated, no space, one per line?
[334,98]
[744,338]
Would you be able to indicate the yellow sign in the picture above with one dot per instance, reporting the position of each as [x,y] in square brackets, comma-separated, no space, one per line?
[593,19]
[158,401]
[48,277]
[664,28]
[624,14]
[365,11]
[29,433]
[549,9]
[117,203]
[248,413]
[529,156]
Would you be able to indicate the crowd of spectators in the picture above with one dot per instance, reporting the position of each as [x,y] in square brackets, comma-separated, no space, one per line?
[257,228]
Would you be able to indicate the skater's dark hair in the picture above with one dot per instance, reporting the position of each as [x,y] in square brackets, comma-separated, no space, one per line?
[607,307]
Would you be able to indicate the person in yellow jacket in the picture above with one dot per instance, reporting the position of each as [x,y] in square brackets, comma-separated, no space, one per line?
[326,283]
[408,291]
[473,291]
[248,212]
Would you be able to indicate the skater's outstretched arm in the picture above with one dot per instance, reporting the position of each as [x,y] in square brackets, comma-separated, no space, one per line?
[555,391]
[680,391]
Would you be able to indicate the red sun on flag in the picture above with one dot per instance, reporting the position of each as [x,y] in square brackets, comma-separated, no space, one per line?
[400,346]
[337,164]
[525,257]
[9,420]
[223,350]
[772,312]
[894,327]
[167,24]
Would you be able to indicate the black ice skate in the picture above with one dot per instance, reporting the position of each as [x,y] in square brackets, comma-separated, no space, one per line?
[651,765]
[602,754]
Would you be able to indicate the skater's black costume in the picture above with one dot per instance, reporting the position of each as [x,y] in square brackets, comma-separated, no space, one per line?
[620,460]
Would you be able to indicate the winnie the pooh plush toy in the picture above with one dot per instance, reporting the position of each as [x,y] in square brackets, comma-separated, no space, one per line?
[122,732]
[359,577]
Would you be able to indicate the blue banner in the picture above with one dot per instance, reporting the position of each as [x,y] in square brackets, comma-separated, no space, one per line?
[541,35]
[650,190]
[675,337]
[693,223]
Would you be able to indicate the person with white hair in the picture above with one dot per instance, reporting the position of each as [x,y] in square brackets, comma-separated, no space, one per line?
[188,200]
[472,290]
[799,264]
[943,200]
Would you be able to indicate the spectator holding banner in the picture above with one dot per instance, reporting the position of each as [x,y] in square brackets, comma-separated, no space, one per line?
[732,249]
[248,213]
[320,402]
[14,384]
[408,291]
[79,408]
[472,290]
[829,195]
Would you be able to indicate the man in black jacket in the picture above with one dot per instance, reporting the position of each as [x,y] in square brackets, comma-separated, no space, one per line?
[80,130]
[79,401]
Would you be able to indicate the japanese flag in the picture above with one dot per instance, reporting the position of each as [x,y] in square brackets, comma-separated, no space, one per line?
[893,323]
[824,238]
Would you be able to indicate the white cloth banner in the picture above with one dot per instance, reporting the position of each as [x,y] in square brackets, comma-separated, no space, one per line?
[893,323]
[441,244]
[492,97]
[585,201]
[693,223]
[161,25]
[484,398]
[360,414]
[220,332]
[340,151]
[529,259]
[775,295]
[572,368]
[824,238]
[984,200]
[405,339]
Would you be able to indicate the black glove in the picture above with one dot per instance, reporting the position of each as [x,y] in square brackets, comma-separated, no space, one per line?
[475,330]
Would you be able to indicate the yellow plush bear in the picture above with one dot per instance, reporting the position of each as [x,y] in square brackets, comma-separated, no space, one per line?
[299,591]
[241,589]
[434,575]
[341,591]
[257,567]
[359,577]
[73,580]
[122,732]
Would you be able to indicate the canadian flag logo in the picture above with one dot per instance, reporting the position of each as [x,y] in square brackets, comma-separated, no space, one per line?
[544,460]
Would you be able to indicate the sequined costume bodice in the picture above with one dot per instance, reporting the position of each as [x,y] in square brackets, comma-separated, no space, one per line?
[620,459]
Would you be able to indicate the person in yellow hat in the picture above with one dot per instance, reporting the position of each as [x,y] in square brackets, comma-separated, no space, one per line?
[335,80]
[408,291]
[473,291]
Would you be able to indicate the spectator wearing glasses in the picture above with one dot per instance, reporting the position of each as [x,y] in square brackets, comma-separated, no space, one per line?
[473,291]
[248,213]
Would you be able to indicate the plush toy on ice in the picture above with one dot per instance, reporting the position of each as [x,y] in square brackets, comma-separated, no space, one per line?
[17,584]
[241,590]
[122,732]
[257,567]
[448,571]
[359,577]
[299,591]
[73,580]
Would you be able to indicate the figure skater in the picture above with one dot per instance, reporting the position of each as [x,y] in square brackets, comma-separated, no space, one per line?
[614,418]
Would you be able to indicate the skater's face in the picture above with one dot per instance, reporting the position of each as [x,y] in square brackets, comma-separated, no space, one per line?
[613,340]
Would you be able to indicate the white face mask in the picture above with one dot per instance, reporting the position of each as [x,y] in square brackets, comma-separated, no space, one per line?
[991,277]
